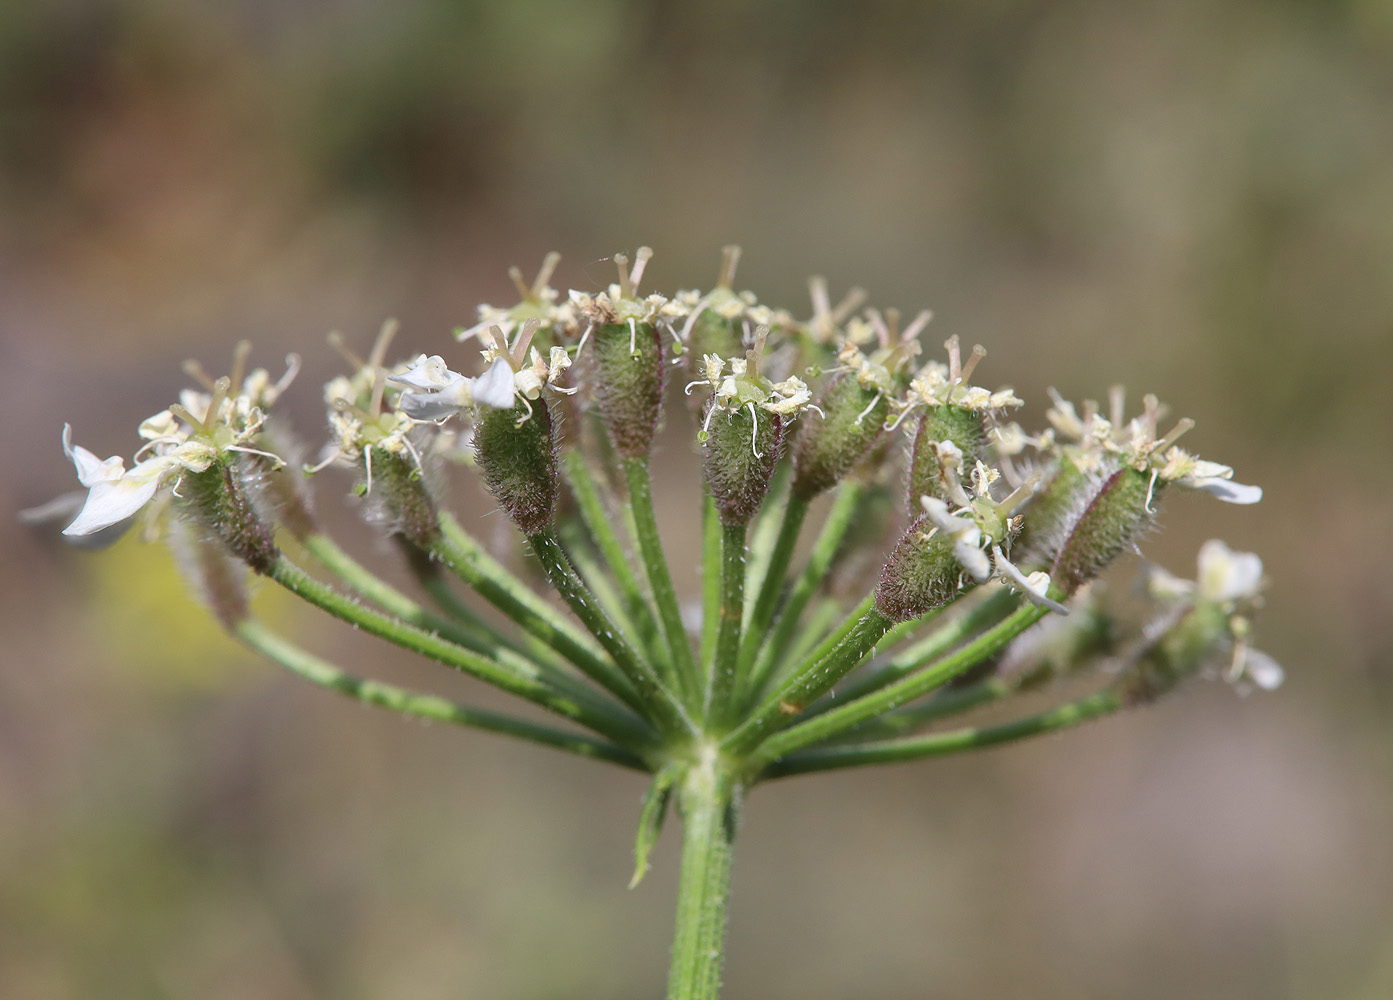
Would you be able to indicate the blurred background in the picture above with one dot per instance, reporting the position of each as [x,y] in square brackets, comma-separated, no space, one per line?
[1193,198]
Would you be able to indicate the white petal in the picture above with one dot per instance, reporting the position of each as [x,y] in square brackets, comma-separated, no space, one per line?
[1035,587]
[973,559]
[495,387]
[1225,490]
[938,514]
[91,470]
[427,373]
[1226,575]
[110,503]
[438,405]
[1263,670]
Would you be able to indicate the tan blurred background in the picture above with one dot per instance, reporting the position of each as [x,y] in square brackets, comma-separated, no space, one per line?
[1194,198]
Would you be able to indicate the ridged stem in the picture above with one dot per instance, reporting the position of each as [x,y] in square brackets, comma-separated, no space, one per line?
[424,706]
[707,800]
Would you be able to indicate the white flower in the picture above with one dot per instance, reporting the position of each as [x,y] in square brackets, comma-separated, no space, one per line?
[114,494]
[1226,575]
[965,533]
[495,387]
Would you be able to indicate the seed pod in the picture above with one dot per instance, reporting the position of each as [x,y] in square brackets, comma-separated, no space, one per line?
[219,499]
[943,423]
[629,383]
[518,460]
[742,448]
[853,419]
[921,574]
[1109,518]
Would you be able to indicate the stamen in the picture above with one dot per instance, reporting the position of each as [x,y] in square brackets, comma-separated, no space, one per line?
[730,259]
[383,342]
[583,338]
[1020,494]
[633,337]
[367,463]
[336,341]
[310,470]
[379,386]
[626,290]
[1117,405]
[849,304]
[196,371]
[253,451]
[754,430]
[697,310]
[912,331]
[240,353]
[548,268]
[641,258]
[978,353]
[220,388]
[525,335]
[864,413]
[526,416]
[292,368]
[755,354]
[955,365]
[1180,429]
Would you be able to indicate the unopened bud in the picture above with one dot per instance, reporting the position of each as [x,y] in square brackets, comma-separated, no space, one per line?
[517,455]
[742,448]
[219,499]
[218,579]
[960,426]
[921,574]
[629,383]
[1105,520]
[853,420]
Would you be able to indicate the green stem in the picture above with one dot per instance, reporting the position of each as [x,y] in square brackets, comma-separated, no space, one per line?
[707,800]
[657,699]
[587,707]
[724,678]
[809,685]
[938,744]
[828,724]
[806,661]
[947,702]
[824,551]
[772,583]
[935,644]
[650,547]
[710,580]
[599,522]
[318,671]
[388,598]
[463,556]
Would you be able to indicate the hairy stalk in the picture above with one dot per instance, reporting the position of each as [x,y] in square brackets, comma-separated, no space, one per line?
[916,748]
[837,720]
[708,800]
[795,510]
[655,565]
[590,709]
[466,559]
[809,685]
[424,706]
[824,551]
[947,702]
[710,582]
[659,701]
[719,701]
[943,638]
[598,522]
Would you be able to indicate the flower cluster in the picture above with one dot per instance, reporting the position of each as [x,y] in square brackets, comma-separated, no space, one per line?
[841,422]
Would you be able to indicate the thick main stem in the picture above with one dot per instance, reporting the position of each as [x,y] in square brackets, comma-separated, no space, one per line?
[707,799]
